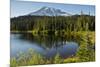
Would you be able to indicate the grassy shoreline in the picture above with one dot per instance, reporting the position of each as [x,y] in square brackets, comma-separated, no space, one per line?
[85,53]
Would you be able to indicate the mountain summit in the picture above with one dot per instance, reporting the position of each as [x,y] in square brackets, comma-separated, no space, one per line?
[48,11]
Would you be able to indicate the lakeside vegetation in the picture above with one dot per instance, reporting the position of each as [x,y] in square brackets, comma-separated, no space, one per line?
[81,28]
[84,54]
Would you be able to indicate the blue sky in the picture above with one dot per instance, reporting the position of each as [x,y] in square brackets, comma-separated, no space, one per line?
[23,7]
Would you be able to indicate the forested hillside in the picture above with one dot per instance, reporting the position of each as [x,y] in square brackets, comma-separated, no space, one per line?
[53,23]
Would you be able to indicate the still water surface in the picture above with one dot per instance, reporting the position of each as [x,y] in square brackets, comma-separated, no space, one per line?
[47,46]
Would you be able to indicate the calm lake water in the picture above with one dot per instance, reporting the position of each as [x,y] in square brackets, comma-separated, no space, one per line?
[47,46]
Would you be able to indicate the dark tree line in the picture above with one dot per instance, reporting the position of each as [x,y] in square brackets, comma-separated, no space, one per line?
[53,23]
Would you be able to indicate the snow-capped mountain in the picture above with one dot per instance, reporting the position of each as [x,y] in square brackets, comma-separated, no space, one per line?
[48,11]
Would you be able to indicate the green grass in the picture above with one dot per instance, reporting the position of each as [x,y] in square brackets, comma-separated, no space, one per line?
[85,53]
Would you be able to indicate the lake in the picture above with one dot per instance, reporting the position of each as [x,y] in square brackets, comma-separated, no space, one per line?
[47,46]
